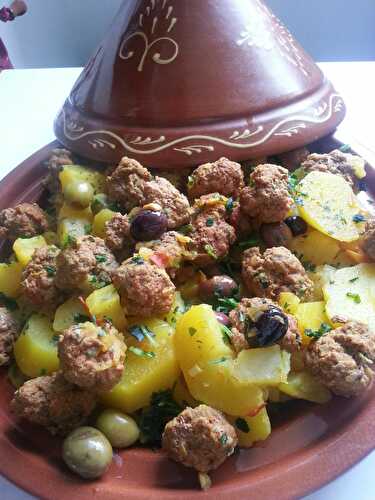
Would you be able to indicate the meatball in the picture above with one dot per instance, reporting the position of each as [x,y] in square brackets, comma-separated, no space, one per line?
[200,438]
[58,159]
[170,251]
[117,235]
[211,236]
[9,331]
[248,312]
[92,356]
[368,239]
[267,199]
[276,271]
[174,204]
[38,279]
[86,261]
[344,164]
[54,403]
[145,289]
[293,159]
[127,182]
[23,221]
[342,359]
[223,176]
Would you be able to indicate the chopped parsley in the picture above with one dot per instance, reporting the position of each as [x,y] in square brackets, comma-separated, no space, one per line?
[210,251]
[218,361]
[344,148]
[96,282]
[9,303]
[210,222]
[354,279]
[43,372]
[225,305]
[69,240]
[224,439]
[357,218]
[81,318]
[153,419]
[87,228]
[253,241]
[141,353]
[227,334]
[354,296]
[242,425]
[187,229]
[55,338]
[316,334]
[137,259]
[192,331]
[292,182]
[100,258]
[229,205]
[51,271]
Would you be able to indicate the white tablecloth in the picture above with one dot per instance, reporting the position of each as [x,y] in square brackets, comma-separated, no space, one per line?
[29,101]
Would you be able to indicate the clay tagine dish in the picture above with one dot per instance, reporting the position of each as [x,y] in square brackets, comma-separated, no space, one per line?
[177,83]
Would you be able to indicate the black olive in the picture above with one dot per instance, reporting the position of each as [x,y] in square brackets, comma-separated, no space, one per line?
[269,328]
[217,286]
[148,225]
[277,234]
[297,225]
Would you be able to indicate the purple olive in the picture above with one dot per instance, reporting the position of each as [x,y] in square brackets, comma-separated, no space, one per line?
[148,225]
[297,225]
[271,326]
[217,286]
[222,318]
[277,234]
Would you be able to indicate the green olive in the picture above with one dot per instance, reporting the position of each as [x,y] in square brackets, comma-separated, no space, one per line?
[121,430]
[79,194]
[87,452]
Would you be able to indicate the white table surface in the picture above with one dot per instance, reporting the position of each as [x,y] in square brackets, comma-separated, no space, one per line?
[29,101]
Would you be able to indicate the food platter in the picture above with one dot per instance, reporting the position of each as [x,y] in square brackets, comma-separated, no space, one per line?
[305,451]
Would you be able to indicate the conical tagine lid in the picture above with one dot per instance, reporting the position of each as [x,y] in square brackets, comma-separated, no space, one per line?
[181,82]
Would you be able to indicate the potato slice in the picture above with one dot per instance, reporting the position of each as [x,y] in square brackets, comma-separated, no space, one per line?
[350,294]
[10,279]
[289,302]
[145,374]
[177,310]
[315,248]
[77,173]
[303,385]
[25,247]
[69,313]
[35,350]
[105,302]
[207,364]
[182,395]
[311,316]
[265,366]
[250,430]
[327,202]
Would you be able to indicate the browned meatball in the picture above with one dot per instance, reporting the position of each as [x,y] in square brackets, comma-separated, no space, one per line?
[169,251]
[126,183]
[211,236]
[243,224]
[54,403]
[223,176]
[200,438]
[336,162]
[145,289]
[86,263]
[267,199]
[23,221]
[276,271]
[9,331]
[368,239]
[293,159]
[92,356]
[38,279]
[58,159]
[248,311]
[117,235]
[174,204]
[343,359]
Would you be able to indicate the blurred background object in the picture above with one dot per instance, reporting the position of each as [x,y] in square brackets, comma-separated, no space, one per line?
[64,33]
[16,9]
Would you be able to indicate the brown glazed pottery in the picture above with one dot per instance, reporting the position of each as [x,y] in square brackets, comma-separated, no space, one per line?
[179,82]
[309,446]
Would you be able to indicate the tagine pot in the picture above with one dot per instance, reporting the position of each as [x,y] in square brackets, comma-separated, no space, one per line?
[177,83]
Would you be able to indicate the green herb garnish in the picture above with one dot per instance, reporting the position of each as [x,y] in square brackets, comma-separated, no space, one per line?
[140,352]
[217,361]
[253,241]
[354,296]
[137,259]
[354,279]
[242,425]
[100,258]
[316,334]
[229,205]
[187,229]
[225,305]
[227,334]
[43,372]
[192,331]
[69,241]
[345,148]
[9,303]
[87,228]
[81,318]
[210,251]
[153,419]
[357,218]
[209,222]
[224,439]
[51,271]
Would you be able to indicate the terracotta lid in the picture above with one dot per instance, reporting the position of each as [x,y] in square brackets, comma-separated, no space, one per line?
[180,82]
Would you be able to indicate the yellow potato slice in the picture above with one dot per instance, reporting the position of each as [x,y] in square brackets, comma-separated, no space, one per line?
[303,385]
[289,302]
[105,302]
[69,313]
[77,173]
[311,316]
[315,248]
[25,247]
[250,430]
[327,202]
[10,279]
[100,220]
[350,294]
